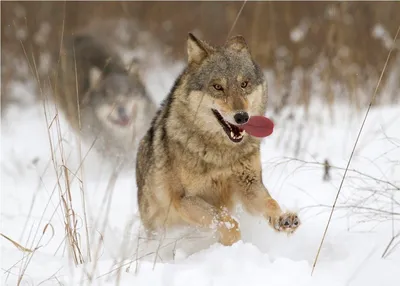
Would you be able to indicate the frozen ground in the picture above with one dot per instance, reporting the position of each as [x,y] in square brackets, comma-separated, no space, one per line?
[367,217]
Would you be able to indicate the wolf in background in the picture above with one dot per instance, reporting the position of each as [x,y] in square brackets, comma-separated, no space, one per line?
[112,109]
[196,162]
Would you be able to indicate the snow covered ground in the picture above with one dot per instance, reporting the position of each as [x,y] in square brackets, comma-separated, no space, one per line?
[366,218]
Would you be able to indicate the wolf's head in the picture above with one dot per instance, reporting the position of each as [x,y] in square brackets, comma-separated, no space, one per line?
[224,86]
[114,99]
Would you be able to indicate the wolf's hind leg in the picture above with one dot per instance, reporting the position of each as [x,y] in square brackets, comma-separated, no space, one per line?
[196,211]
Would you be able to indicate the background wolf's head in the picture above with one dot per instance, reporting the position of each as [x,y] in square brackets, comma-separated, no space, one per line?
[224,86]
[114,99]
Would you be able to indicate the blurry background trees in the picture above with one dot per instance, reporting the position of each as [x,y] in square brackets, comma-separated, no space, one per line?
[325,50]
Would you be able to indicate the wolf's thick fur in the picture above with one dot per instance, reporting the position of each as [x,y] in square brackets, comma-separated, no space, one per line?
[114,110]
[189,169]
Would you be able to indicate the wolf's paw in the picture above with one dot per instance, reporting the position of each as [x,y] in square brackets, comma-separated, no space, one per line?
[286,222]
[229,232]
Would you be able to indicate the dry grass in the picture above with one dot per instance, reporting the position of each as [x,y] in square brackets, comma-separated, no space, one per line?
[374,200]
[295,40]
[74,235]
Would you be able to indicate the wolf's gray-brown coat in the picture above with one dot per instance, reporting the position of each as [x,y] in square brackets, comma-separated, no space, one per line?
[189,169]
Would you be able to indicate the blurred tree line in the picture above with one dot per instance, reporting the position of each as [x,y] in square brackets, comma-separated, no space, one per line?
[343,43]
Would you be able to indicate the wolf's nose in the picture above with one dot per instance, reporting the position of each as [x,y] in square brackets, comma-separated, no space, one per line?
[241,117]
[121,111]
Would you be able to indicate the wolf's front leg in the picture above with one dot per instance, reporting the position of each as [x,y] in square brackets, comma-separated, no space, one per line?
[196,211]
[257,201]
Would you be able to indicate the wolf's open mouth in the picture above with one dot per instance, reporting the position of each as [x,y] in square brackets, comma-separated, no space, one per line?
[121,121]
[234,132]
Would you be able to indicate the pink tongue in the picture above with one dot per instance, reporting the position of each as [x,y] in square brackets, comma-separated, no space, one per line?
[258,126]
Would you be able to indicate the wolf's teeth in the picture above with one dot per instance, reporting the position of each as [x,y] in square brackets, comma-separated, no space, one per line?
[236,136]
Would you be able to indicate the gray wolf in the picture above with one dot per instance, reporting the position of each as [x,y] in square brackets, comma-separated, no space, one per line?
[195,162]
[112,110]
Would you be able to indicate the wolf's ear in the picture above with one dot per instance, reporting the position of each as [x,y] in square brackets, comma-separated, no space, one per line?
[85,99]
[237,43]
[134,68]
[197,50]
[95,76]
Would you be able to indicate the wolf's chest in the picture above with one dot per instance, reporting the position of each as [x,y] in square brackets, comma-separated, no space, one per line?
[215,188]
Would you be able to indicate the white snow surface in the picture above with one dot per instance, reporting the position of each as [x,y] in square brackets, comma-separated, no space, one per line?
[364,222]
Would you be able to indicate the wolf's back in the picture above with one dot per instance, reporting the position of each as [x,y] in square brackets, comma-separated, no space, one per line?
[78,56]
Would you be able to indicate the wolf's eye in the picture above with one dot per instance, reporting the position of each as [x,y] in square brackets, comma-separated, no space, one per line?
[217,87]
[244,84]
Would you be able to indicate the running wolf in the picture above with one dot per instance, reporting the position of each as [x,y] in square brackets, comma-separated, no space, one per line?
[113,110]
[196,161]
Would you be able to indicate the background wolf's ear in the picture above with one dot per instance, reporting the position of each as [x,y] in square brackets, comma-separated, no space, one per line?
[134,67]
[197,50]
[237,43]
[95,76]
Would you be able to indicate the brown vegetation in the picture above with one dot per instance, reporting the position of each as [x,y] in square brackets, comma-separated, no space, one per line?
[337,41]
